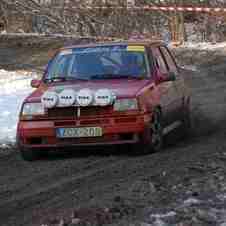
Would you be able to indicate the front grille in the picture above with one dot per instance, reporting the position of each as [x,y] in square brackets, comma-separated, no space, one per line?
[71,112]
[92,111]
[62,112]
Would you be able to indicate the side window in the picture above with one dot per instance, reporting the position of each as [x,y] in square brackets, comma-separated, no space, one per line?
[60,66]
[160,60]
[150,59]
[170,62]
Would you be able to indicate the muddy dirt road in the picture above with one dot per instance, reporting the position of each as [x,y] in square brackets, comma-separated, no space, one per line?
[185,184]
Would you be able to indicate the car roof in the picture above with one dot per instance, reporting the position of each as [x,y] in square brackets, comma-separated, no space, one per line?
[113,43]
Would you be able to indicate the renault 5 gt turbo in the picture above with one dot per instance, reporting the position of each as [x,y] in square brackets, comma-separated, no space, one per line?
[127,93]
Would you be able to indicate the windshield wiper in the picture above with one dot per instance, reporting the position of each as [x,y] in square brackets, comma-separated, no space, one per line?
[112,76]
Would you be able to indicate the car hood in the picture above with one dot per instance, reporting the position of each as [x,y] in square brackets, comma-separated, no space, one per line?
[123,88]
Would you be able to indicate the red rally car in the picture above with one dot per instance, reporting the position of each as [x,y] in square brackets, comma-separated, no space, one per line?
[128,93]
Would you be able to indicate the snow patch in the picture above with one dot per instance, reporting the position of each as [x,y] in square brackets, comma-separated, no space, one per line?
[167,215]
[191,201]
[204,45]
[159,222]
[190,67]
[15,86]
[222,197]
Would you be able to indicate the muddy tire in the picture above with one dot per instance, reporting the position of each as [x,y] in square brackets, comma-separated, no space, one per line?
[156,127]
[153,140]
[28,154]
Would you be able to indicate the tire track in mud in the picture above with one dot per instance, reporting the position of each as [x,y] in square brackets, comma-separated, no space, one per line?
[100,183]
[44,178]
[64,187]
[23,197]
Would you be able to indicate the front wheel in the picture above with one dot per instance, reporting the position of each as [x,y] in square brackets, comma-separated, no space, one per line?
[152,138]
[29,154]
[156,132]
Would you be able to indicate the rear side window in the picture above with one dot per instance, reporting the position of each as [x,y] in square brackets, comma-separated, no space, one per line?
[170,62]
[160,62]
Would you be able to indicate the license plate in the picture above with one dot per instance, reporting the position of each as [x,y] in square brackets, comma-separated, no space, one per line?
[79,132]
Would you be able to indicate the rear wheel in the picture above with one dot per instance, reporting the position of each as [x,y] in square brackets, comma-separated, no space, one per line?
[186,121]
[29,154]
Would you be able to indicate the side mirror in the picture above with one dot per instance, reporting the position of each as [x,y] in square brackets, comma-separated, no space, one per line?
[35,83]
[169,77]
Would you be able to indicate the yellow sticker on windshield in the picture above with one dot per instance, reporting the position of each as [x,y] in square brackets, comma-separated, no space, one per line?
[136,48]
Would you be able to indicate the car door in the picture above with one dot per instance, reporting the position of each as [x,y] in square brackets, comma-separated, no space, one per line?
[178,83]
[167,89]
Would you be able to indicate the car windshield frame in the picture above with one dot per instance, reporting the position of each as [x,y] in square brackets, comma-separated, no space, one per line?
[138,52]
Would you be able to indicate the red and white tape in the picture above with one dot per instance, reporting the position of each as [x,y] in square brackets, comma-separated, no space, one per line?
[155,8]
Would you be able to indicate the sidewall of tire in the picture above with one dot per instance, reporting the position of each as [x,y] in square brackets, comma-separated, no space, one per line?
[29,154]
[153,149]
[187,122]
[145,146]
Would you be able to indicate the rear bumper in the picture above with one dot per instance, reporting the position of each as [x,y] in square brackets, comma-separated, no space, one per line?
[116,131]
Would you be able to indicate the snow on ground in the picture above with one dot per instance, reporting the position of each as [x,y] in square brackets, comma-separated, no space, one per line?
[14,87]
[204,45]
[190,67]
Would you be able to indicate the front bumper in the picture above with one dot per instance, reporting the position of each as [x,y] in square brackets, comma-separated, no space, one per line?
[117,130]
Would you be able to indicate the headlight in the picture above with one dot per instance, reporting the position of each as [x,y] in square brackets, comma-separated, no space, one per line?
[125,105]
[30,109]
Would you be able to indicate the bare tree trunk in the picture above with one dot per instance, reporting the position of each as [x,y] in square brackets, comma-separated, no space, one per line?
[3,12]
[182,30]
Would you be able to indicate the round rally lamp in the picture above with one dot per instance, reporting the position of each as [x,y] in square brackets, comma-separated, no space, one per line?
[104,97]
[49,99]
[67,98]
[84,97]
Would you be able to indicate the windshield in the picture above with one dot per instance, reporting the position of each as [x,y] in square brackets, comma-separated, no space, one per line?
[99,63]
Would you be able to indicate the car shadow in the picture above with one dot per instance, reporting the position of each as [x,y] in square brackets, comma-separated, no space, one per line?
[85,152]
